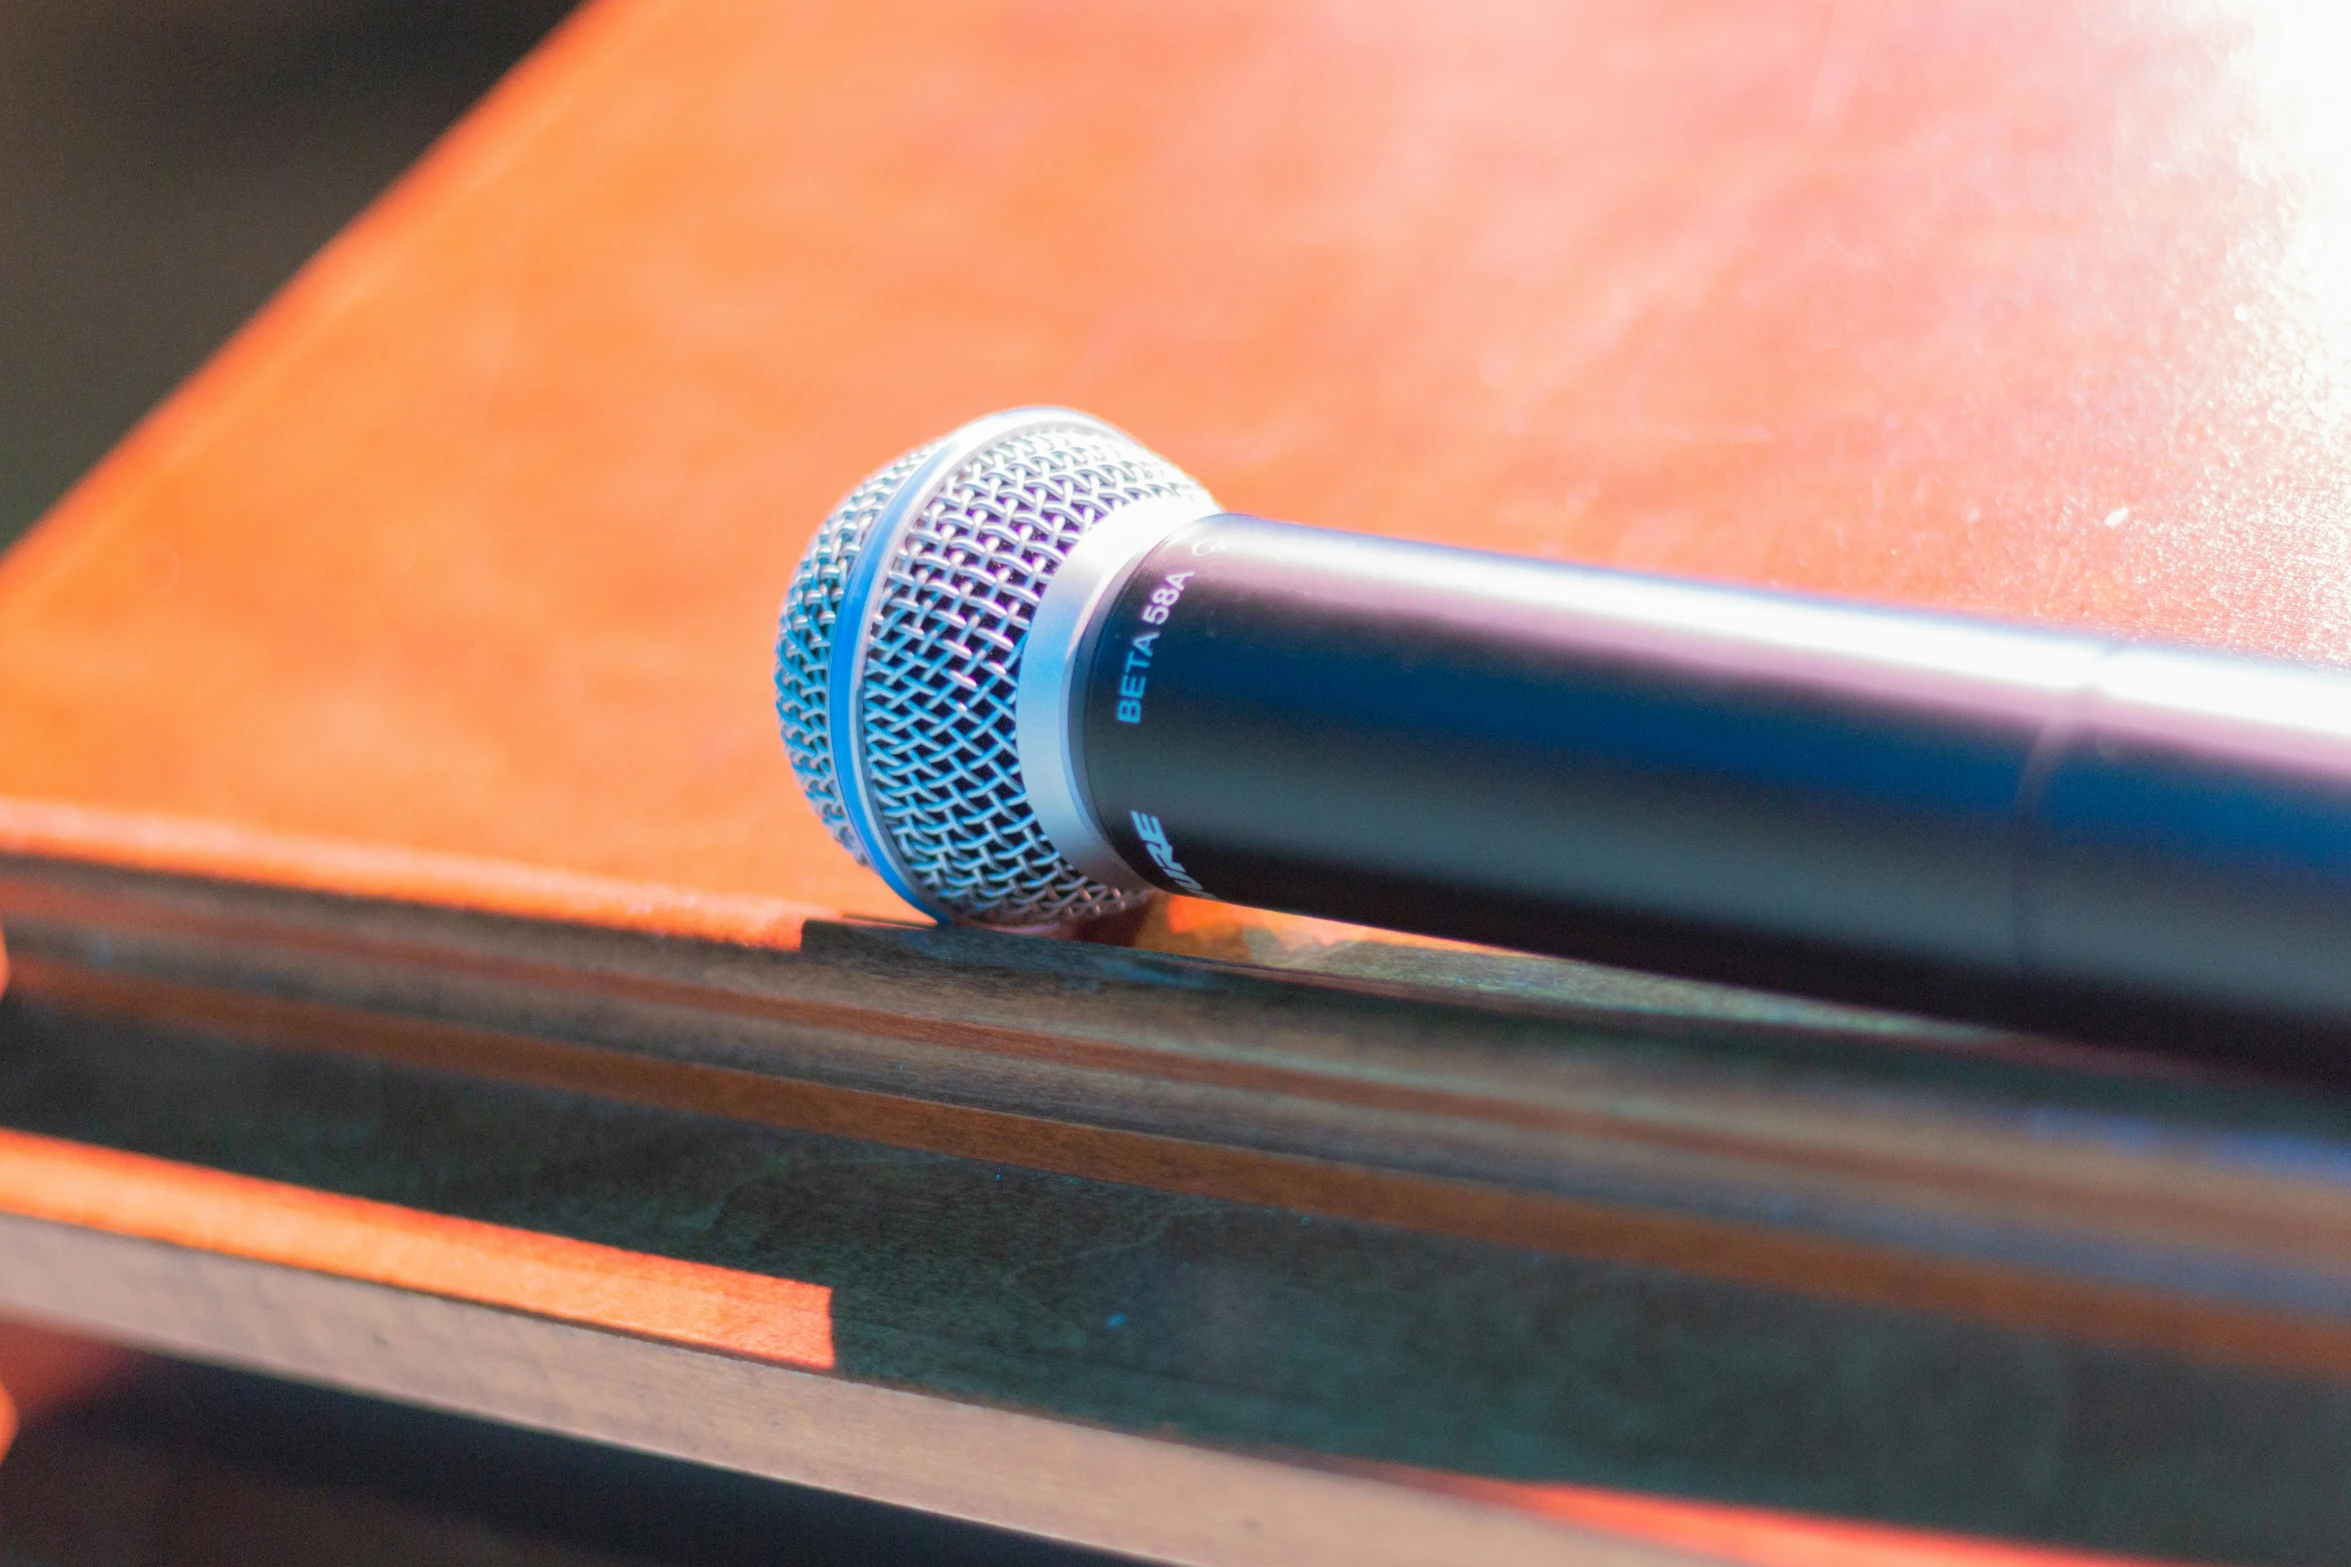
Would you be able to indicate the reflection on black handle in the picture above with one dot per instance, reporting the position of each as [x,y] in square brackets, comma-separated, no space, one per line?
[1795,792]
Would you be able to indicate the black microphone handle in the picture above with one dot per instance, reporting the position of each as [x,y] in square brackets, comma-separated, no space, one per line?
[1801,793]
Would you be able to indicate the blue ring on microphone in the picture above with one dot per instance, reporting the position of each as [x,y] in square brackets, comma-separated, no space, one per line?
[845,711]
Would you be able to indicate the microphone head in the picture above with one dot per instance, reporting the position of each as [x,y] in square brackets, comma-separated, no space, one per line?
[898,663]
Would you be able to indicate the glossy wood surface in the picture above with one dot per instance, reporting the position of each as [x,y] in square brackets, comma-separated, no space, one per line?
[471,544]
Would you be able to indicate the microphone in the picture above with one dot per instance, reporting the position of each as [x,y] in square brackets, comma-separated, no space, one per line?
[1032,671]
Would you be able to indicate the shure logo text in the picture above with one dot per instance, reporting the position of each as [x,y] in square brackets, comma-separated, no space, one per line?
[1162,852]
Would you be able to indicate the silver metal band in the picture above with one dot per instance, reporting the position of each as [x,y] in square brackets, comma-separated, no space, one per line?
[845,710]
[1051,672]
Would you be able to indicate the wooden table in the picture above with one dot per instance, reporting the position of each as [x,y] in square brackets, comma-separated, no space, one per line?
[426,979]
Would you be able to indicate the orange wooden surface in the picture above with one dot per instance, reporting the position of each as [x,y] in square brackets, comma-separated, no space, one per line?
[736,1313]
[1761,1537]
[471,544]
[489,1264]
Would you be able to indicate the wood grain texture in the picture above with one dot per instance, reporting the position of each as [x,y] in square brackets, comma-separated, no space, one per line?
[1159,1499]
[363,869]
[471,543]
[1337,1340]
[738,1313]
[1921,1279]
[205,1463]
[1544,1121]
[2230,1332]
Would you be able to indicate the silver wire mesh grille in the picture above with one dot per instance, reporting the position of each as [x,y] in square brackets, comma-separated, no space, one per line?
[941,671]
[805,644]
